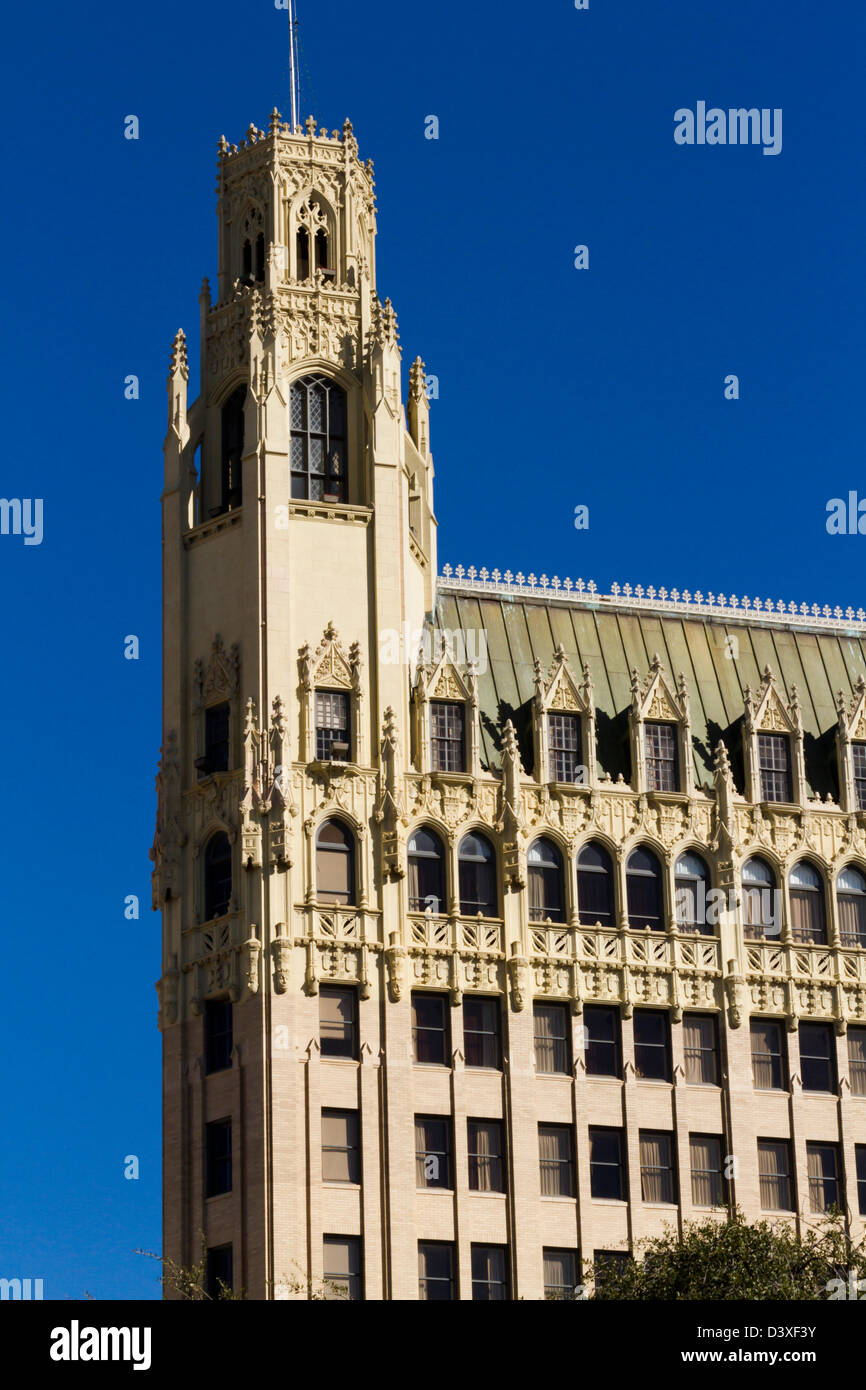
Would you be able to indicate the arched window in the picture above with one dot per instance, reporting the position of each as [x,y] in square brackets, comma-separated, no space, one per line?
[808,922]
[595,886]
[217,876]
[318,413]
[692,891]
[644,885]
[544,863]
[477,863]
[232,452]
[851,898]
[761,917]
[322,254]
[252,246]
[426,872]
[335,863]
[303,250]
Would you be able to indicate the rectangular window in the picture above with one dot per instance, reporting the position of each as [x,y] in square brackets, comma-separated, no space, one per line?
[430,1030]
[433,1151]
[606,1178]
[601,1035]
[563,735]
[338,1022]
[218,1271]
[857,1060]
[556,1157]
[657,1180]
[652,1045]
[481,1032]
[769,1062]
[817,1057]
[341,1146]
[662,773]
[436,1263]
[774,763]
[860,1158]
[560,1273]
[822,1161]
[701,1047]
[490,1274]
[706,1161]
[447,744]
[858,758]
[217,1035]
[216,740]
[342,1267]
[774,1174]
[552,1039]
[218,1158]
[486,1158]
[332,726]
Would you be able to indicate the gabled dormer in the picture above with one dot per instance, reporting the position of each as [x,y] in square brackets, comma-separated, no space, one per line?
[332,726]
[661,733]
[563,722]
[773,745]
[445,718]
[851,748]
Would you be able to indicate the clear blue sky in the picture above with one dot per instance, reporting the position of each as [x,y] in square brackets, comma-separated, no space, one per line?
[557,387]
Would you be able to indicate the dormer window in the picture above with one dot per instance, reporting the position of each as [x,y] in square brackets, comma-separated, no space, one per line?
[858,760]
[332,726]
[563,741]
[447,742]
[318,414]
[774,765]
[662,770]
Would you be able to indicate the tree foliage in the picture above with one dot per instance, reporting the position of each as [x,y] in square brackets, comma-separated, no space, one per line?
[737,1259]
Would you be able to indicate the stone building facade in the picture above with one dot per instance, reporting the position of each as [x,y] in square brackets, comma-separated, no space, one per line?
[504,922]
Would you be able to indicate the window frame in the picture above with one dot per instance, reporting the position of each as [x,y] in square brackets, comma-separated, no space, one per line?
[496,1162]
[215,1045]
[301,478]
[564,746]
[351,1149]
[443,1182]
[218,1158]
[487,1003]
[325,703]
[714,1176]
[663,1048]
[758,1056]
[446,745]
[813,1058]
[691,1016]
[648,1171]
[596,1164]
[555,1042]
[592,1011]
[561,1169]
[351,1027]
[417,996]
[661,764]
[769,772]
[425,1279]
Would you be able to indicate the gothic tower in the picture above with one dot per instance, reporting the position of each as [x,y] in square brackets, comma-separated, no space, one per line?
[298,538]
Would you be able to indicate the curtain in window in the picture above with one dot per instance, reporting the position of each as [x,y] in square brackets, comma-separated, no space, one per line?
[852,919]
[656,1179]
[773,1176]
[706,1175]
[555,1155]
[551,1045]
[560,1274]
[766,1065]
[700,1053]
[821,1161]
[857,1060]
[485,1167]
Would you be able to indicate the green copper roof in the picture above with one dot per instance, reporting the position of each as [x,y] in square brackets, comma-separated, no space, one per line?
[718,658]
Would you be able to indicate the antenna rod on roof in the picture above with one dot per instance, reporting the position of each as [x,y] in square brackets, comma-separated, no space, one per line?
[293,51]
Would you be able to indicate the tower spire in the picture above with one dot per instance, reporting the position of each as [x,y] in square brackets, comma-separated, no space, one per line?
[293,56]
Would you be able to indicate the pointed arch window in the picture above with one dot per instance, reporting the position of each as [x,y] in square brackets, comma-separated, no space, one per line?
[217,876]
[692,889]
[851,899]
[644,886]
[253,247]
[544,865]
[318,415]
[335,863]
[760,915]
[232,451]
[595,886]
[808,920]
[477,867]
[426,872]
[313,242]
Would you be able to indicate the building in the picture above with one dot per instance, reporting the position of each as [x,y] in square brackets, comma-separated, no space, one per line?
[504,922]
